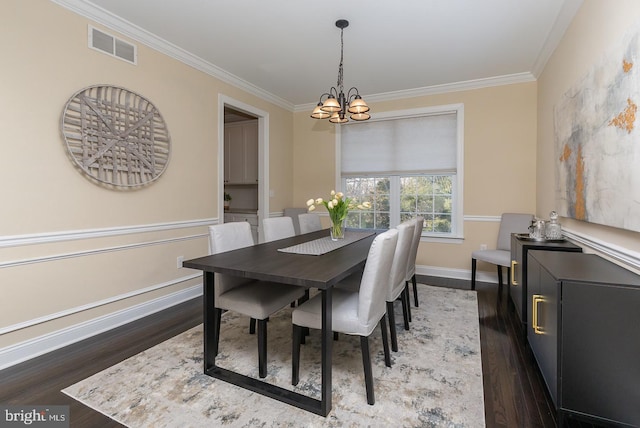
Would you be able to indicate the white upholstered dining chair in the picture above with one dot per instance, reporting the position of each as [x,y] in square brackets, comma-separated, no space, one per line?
[309,222]
[277,228]
[255,299]
[501,256]
[397,285]
[411,263]
[354,312]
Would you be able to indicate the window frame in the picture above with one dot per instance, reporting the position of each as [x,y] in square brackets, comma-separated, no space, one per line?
[457,219]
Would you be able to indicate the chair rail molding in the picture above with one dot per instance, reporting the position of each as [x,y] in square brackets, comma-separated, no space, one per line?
[620,255]
[72,235]
[485,218]
[61,256]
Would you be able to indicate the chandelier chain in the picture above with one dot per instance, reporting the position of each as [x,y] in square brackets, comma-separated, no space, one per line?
[340,72]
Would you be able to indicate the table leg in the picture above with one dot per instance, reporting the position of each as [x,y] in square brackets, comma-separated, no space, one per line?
[210,322]
[327,348]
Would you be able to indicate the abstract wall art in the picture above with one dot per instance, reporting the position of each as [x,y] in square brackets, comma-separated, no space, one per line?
[597,138]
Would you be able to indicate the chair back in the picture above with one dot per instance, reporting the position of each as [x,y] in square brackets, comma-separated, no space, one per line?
[415,243]
[228,237]
[309,222]
[512,223]
[293,213]
[277,228]
[375,280]
[400,260]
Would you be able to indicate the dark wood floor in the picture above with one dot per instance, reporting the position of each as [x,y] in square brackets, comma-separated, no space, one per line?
[513,390]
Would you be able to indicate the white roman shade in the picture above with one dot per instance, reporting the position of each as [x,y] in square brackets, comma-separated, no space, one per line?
[410,145]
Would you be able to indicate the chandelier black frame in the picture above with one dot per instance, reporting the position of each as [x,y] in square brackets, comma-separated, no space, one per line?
[337,104]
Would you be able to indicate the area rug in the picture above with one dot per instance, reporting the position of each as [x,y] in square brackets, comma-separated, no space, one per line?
[435,379]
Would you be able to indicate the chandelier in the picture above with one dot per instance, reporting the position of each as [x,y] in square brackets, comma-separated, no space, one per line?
[337,104]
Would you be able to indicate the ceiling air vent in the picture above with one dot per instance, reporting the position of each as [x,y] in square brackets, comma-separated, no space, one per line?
[106,43]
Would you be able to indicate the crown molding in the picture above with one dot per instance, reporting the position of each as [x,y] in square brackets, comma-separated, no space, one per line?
[440,89]
[126,28]
[566,15]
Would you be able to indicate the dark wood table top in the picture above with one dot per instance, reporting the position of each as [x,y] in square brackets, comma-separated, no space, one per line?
[264,262]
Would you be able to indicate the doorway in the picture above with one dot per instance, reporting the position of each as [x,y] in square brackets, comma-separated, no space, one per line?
[243,143]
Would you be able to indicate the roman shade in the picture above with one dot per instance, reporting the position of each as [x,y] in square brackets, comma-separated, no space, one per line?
[408,145]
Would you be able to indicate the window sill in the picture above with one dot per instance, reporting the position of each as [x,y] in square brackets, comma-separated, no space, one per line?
[442,239]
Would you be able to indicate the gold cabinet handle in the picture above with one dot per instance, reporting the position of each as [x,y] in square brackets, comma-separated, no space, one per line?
[513,271]
[537,298]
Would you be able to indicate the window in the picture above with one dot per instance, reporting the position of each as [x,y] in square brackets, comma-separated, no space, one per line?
[406,164]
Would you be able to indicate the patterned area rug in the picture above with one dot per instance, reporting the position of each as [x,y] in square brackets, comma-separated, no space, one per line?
[435,380]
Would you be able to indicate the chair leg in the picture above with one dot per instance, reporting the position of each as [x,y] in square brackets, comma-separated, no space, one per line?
[415,289]
[404,298]
[301,300]
[217,318]
[385,341]
[406,291]
[499,279]
[368,374]
[297,336]
[262,348]
[392,326]
[252,326]
[473,274]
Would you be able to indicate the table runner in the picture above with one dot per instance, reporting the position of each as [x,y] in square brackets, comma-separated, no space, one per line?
[324,245]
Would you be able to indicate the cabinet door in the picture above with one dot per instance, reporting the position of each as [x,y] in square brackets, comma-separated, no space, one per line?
[516,282]
[251,153]
[235,154]
[600,349]
[542,329]
[227,154]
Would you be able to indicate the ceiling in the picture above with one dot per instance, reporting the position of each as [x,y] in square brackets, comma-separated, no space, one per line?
[288,50]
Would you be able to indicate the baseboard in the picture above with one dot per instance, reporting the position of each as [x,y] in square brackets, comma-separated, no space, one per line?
[458,274]
[32,348]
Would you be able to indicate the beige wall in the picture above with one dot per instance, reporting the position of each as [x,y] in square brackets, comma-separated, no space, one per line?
[499,162]
[45,61]
[598,25]
[508,161]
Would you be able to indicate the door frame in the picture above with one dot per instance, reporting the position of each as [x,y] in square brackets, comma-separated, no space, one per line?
[263,156]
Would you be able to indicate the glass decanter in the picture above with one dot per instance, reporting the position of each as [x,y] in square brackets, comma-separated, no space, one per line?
[553,230]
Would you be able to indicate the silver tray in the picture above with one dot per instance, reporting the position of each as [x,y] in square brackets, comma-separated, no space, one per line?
[526,237]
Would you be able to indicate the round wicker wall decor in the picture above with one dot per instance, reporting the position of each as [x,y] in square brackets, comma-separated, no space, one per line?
[116,136]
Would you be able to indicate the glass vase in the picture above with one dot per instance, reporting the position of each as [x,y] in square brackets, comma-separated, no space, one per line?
[337,230]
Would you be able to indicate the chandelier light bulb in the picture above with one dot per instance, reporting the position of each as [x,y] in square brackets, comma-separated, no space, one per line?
[318,113]
[358,105]
[331,105]
[360,116]
[335,118]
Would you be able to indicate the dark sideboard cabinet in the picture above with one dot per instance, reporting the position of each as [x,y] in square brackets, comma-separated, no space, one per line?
[584,332]
[518,280]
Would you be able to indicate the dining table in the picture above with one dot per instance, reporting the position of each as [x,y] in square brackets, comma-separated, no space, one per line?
[310,260]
